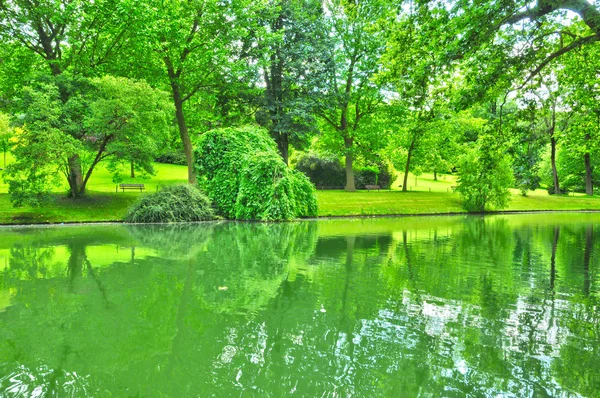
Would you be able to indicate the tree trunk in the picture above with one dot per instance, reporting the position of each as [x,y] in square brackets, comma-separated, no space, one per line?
[554,170]
[132,174]
[4,159]
[181,124]
[434,175]
[75,178]
[282,140]
[407,167]
[589,185]
[349,171]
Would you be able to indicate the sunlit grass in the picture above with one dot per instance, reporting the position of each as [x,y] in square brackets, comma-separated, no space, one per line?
[425,196]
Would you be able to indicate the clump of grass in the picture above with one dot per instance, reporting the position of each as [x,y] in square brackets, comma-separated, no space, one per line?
[175,203]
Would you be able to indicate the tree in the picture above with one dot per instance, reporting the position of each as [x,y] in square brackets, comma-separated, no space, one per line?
[582,95]
[293,59]
[189,47]
[5,135]
[74,36]
[103,119]
[351,93]
[484,176]
[544,105]
[522,35]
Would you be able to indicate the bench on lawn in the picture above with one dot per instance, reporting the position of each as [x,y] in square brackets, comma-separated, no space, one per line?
[372,187]
[123,187]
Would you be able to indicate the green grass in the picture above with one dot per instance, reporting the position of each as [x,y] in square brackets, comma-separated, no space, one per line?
[340,203]
[102,203]
[426,197]
[101,179]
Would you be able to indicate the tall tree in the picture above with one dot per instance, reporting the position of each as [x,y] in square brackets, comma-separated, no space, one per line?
[188,46]
[581,74]
[70,36]
[351,92]
[293,59]
[112,119]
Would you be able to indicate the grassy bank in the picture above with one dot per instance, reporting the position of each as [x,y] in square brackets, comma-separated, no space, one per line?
[339,203]
[425,196]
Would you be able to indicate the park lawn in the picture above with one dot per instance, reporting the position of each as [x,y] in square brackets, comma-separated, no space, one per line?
[95,207]
[102,180]
[426,197]
[340,203]
[101,203]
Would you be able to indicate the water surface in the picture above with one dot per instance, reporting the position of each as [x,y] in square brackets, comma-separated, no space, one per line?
[433,306]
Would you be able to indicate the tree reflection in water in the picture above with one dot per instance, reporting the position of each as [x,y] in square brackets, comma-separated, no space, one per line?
[388,307]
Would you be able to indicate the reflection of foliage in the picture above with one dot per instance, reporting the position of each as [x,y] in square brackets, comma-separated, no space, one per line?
[29,262]
[379,308]
[175,240]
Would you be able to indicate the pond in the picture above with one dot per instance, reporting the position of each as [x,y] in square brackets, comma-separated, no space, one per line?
[423,306]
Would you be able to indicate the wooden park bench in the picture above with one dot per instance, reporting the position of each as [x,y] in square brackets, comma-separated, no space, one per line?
[372,187]
[123,187]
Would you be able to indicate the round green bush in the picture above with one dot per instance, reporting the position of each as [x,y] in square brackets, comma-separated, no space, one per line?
[242,172]
[176,203]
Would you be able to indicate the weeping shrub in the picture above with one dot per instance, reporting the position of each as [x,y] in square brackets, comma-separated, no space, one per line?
[242,172]
[176,203]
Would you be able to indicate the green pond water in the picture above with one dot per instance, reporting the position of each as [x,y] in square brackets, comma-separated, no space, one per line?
[405,307]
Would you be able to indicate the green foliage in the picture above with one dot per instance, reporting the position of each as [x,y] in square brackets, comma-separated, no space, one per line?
[6,133]
[245,177]
[485,176]
[326,171]
[175,203]
[70,125]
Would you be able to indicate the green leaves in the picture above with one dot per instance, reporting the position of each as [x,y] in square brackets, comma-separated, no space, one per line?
[245,177]
[106,118]
[485,176]
[175,203]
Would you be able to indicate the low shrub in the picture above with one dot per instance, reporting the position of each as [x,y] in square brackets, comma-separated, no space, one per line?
[242,172]
[322,170]
[328,171]
[172,157]
[175,203]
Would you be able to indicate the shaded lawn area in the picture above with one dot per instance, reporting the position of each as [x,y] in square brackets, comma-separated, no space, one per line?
[97,206]
[101,203]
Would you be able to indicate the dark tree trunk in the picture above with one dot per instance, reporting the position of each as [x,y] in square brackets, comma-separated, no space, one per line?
[349,170]
[181,123]
[283,146]
[554,169]
[75,177]
[407,167]
[434,175]
[132,173]
[185,136]
[589,184]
